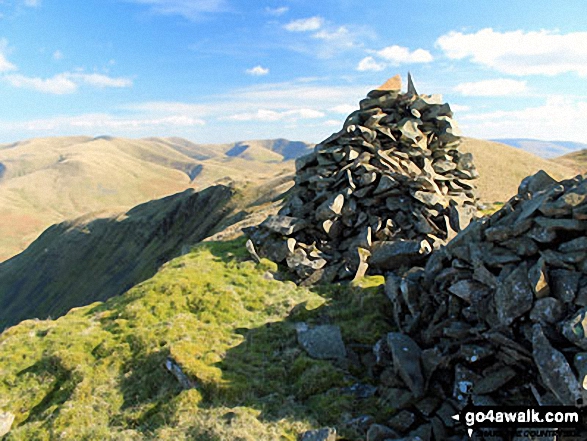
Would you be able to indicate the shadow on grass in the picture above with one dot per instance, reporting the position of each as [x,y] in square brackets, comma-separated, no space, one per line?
[64,384]
[146,387]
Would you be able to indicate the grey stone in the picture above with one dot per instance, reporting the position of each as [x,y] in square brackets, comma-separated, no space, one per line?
[514,296]
[493,380]
[325,434]
[284,225]
[389,255]
[537,182]
[555,372]
[406,356]
[402,421]
[321,342]
[378,432]
[184,380]
[547,310]
[565,284]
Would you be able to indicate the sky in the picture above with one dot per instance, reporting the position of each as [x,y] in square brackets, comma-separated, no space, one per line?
[216,71]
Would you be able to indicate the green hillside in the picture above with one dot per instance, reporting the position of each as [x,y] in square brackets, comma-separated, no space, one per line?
[98,372]
[78,262]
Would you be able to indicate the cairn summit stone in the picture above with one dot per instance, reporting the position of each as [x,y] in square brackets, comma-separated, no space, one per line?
[379,194]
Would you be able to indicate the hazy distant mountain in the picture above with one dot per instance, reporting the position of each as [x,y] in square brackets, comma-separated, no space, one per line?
[48,180]
[544,149]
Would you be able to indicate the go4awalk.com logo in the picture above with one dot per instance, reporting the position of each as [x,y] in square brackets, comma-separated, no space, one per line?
[557,422]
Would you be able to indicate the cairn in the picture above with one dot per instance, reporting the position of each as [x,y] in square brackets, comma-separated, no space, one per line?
[378,195]
[496,317]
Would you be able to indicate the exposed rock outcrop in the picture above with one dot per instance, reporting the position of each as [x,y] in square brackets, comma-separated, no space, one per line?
[496,317]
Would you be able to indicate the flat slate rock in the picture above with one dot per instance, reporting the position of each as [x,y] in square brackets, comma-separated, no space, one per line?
[322,342]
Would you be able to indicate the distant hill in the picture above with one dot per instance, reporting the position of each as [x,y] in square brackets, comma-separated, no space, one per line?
[544,149]
[576,160]
[48,180]
[502,167]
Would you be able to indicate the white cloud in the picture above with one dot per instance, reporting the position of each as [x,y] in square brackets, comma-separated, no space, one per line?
[402,55]
[496,87]
[459,108]
[370,64]
[277,12]
[258,71]
[190,9]
[344,109]
[520,53]
[340,33]
[58,85]
[58,55]
[305,24]
[32,3]
[5,65]
[560,117]
[65,83]
[272,115]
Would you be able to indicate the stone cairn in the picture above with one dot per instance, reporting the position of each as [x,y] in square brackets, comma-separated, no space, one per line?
[380,194]
[496,317]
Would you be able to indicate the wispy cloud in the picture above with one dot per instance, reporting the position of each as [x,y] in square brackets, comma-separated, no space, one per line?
[518,52]
[65,83]
[267,115]
[305,24]
[496,87]
[545,121]
[5,65]
[58,55]
[258,71]
[99,80]
[190,9]
[32,3]
[100,122]
[277,12]
[58,85]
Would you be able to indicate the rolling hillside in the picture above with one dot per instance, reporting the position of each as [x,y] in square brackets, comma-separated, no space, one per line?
[576,160]
[46,181]
[502,167]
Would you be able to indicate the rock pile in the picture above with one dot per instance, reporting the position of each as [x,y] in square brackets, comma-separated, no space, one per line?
[380,194]
[496,317]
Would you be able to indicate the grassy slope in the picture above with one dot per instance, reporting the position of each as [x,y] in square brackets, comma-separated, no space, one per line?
[501,168]
[52,179]
[97,372]
[81,261]
[576,160]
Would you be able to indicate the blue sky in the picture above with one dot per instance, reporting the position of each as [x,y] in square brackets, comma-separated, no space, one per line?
[228,70]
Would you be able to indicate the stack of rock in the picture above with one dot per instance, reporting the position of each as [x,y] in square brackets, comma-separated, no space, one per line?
[380,194]
[496,317]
